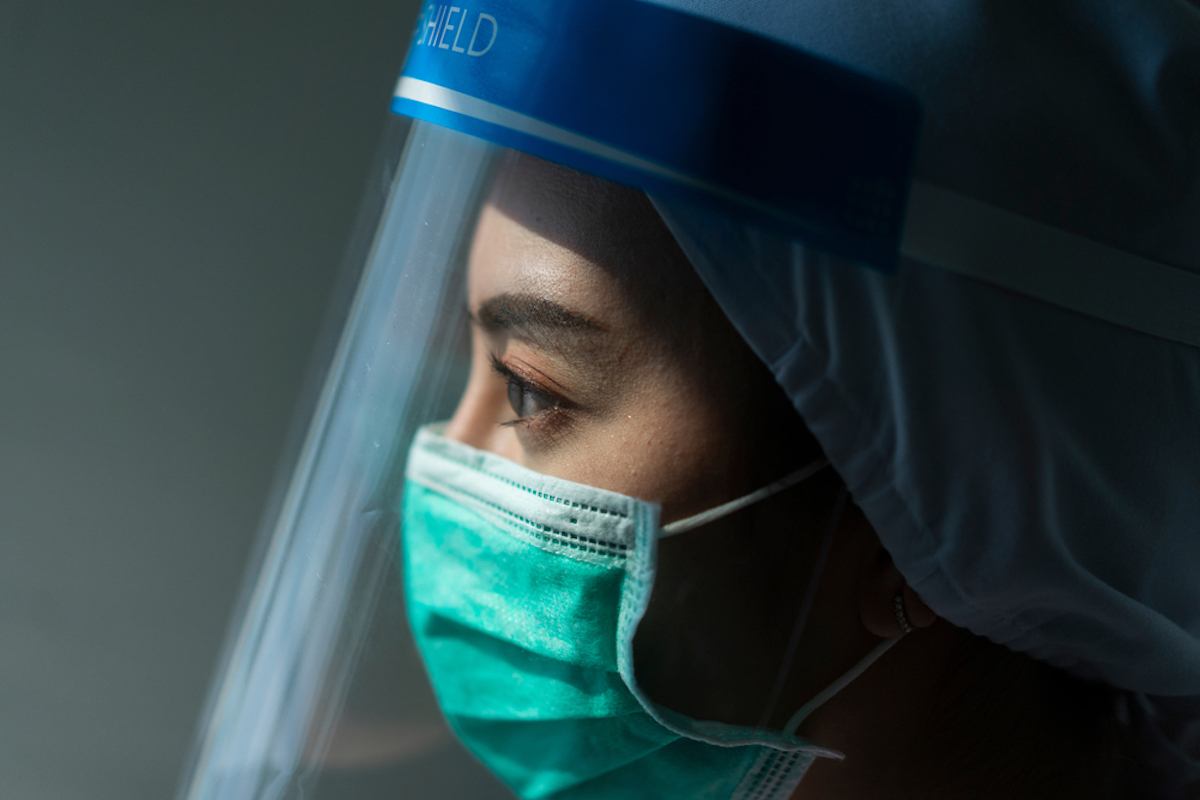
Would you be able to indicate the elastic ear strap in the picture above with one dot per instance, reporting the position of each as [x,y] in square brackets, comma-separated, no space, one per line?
[973,238]
[810,594]
[835,687]
[705,517]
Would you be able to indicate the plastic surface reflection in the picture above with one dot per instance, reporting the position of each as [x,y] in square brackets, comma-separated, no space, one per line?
[321,693]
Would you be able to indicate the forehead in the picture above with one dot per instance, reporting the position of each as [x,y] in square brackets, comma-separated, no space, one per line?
[598,219]
[509,258]
[588,244]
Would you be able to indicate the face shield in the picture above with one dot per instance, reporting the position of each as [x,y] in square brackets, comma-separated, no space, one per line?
[509,223]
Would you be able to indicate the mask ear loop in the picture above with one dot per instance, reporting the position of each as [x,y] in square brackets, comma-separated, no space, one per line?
[798,630]
[705,517]
[725,509]
[835,687]
[810,594]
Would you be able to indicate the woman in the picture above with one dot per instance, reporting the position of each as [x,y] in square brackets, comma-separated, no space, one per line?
[599,358]
[723,512]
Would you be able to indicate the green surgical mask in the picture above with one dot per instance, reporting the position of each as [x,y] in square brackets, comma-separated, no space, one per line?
[524,592]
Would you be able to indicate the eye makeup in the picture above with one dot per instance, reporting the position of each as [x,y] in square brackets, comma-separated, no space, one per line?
[537,408]
[562,372]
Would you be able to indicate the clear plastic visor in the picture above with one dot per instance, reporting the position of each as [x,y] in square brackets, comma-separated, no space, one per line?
[322,692]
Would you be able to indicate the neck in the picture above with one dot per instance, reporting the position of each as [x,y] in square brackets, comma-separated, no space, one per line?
[947,714]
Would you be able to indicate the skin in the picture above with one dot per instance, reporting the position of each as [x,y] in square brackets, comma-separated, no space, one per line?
[603,395]
[590,365]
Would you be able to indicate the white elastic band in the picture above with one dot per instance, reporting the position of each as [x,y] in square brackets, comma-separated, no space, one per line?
[835,687]
[964,235]
[704,517]
[810,595]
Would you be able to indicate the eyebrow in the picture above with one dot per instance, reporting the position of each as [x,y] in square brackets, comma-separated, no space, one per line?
[530,317]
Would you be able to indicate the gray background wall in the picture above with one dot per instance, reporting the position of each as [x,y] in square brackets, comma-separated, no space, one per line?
[177,185]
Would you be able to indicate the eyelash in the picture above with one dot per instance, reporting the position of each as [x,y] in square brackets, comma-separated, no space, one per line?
[527,388]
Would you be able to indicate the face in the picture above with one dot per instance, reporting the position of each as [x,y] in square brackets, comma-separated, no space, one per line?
[599,357]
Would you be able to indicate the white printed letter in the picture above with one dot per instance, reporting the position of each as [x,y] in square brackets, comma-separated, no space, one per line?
[471,51]
[448,27]
[425,26]
[461,24]
[437,23]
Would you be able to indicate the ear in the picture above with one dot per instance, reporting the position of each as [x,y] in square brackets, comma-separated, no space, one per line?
[880,583]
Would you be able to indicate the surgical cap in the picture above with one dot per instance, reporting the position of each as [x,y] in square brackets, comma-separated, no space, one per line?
[1033,469]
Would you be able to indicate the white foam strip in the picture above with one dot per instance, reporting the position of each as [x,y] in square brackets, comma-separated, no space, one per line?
[973,238]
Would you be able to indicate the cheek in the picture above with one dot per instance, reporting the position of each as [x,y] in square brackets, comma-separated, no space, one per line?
[690,468]
[694,455]
[667,445]
[668,438]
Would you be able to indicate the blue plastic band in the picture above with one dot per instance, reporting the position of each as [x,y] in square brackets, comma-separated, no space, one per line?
[678,106]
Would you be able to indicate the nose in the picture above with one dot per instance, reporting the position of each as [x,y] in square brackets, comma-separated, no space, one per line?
[482,404]
[471,424]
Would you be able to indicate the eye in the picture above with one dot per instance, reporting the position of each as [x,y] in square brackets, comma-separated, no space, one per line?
[527,399]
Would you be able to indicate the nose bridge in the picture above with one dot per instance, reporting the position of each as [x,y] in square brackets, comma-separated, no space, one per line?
[482,405]
[474,419]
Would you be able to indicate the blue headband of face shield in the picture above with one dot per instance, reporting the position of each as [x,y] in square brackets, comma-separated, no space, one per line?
[727,121]
[678,106]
